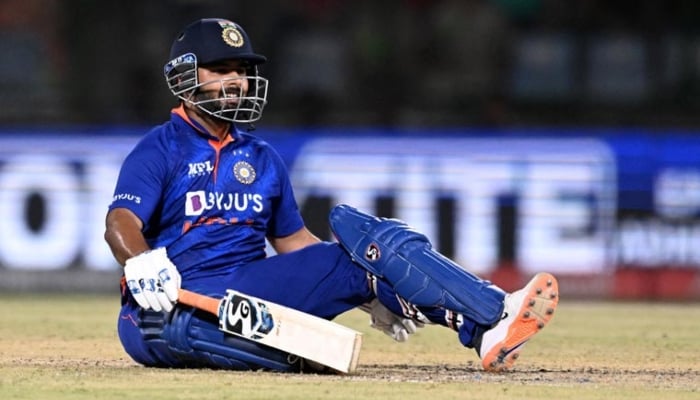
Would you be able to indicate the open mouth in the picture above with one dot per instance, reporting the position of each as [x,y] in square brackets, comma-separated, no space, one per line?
[230,98]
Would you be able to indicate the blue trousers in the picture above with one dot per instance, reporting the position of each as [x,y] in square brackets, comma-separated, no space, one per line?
[321,280]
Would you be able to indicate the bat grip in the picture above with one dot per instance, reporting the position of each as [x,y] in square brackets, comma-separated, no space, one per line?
[199,301]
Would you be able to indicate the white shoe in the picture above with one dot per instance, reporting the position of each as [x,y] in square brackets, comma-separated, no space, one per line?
[526,311]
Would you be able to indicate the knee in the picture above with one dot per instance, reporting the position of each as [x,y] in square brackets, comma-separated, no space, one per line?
[141,335]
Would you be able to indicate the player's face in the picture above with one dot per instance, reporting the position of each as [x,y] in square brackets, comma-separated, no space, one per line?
[225,80]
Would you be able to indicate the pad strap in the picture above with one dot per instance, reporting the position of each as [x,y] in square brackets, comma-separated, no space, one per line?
[390,249]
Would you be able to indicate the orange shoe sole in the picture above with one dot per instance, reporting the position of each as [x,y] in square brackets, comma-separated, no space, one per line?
[536,311]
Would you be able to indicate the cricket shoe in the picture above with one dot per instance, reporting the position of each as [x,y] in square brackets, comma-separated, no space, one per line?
[525,313]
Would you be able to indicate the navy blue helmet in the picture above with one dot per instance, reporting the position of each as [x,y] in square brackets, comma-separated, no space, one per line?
[209,41]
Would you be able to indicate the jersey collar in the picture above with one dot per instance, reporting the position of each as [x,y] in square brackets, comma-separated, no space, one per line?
[179,113]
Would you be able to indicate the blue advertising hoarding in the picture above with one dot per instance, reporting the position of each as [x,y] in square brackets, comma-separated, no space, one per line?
[575,202]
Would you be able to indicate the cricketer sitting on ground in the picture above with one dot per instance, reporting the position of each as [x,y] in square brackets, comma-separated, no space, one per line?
[199,195]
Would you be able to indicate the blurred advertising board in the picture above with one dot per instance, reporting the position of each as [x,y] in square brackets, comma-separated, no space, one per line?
[614,213]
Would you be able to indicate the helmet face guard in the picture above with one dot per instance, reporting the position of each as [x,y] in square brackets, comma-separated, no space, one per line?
[209,41]
[231,103]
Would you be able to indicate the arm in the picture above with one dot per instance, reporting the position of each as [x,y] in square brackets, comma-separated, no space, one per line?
[297,240]
[151,277]
[123,234]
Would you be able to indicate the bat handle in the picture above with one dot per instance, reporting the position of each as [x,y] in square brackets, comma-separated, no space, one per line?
[200,301]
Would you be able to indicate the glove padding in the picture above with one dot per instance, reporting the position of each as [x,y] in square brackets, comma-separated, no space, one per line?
[153,279]
[396,327]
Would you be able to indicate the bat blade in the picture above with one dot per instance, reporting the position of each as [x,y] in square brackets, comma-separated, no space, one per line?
[292,331]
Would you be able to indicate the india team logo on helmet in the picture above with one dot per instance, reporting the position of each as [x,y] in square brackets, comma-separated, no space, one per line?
[244,172]
[232,36]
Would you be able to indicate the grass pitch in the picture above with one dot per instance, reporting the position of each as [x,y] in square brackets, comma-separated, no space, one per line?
[66,347]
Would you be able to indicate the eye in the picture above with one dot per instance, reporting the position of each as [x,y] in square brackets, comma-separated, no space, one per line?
[225,68]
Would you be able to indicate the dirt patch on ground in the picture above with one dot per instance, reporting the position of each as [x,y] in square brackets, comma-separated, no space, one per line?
[436,373]
[68,362]
[658,378]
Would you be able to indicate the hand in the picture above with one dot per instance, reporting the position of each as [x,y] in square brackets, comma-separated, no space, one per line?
[153,280]
[397,327]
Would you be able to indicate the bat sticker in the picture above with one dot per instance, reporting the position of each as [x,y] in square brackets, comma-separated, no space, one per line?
[243,317]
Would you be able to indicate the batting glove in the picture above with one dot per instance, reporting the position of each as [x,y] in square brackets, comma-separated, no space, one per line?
[396,327]
[153,280]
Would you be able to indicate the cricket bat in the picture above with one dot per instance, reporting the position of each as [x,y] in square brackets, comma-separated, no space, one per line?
[292,331]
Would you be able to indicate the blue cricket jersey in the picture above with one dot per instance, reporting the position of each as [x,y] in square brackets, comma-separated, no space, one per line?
[211,203]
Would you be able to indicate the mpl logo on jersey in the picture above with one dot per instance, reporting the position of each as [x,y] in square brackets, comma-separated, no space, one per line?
[199,201]
[199,168]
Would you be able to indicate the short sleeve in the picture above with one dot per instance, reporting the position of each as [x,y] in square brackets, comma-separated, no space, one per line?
[142,178]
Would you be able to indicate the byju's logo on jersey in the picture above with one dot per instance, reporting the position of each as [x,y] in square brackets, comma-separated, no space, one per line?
[127,196]
[195,203]
[200,168]
[198,202]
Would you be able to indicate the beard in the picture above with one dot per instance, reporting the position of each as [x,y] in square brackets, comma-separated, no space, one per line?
[217,104]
